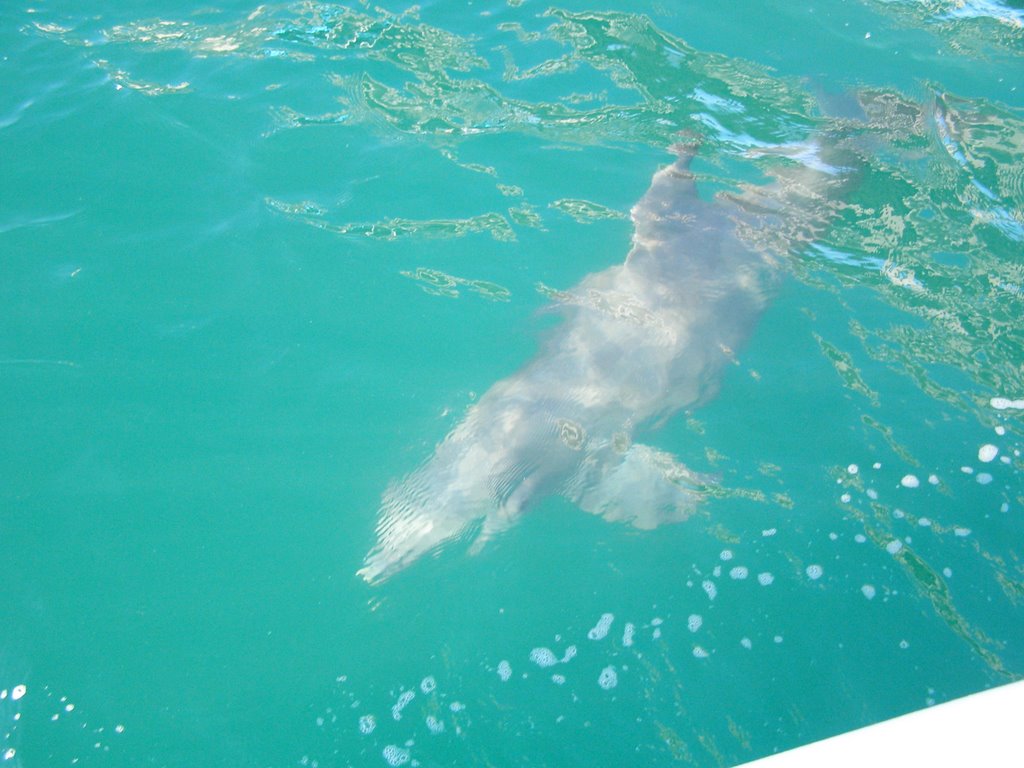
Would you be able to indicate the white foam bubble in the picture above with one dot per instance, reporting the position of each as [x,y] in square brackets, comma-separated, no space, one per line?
[877,465]
[428,684]
[987,453]
[962,532]
[558,679]
[894,546]
[764,579]
[569,655]
[868,591]
[395,755]
[656,621]
[600,630]
[933,479]
[769,532]
[924,522]
[627,635]
[694,622]
[543,657]
[366,724]
[656,633]
[1000,430]
[853,469]
[434,725]
[504,670]
[608,678]
[745,642]
[984,478]
[1004,507]
[18,691]
[699,653]
[814,572]
[1005,403]
[846,498]
[910,481]
[10,753]
[860,538]
[726,554]
[739,572]
[709,588]
[456,706]
[872,494]
[947,572]
[967,470]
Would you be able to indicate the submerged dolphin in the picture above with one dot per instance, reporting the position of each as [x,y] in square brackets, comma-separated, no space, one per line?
[640,341]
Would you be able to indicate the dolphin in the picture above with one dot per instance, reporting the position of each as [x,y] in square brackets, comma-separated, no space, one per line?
[639,342]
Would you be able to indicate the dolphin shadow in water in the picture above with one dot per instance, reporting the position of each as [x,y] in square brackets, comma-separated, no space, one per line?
[640,341]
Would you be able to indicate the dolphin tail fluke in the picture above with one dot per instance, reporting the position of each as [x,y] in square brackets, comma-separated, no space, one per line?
[645,488]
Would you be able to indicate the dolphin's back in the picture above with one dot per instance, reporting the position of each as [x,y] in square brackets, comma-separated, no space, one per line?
[639,341]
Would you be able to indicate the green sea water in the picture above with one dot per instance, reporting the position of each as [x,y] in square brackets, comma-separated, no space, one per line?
[256,261]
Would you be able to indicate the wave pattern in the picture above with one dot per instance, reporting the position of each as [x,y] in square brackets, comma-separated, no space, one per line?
[918,271]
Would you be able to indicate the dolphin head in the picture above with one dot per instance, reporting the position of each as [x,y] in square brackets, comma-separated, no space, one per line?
[412,522]
[507,452]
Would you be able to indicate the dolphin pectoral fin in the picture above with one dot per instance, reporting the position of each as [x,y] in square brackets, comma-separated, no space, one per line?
[496,523]
[493,525]
[504,516]
[645,488]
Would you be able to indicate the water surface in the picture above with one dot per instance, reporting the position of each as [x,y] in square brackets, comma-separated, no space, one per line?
[258,260]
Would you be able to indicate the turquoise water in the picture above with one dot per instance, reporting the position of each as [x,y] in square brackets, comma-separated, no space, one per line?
[259,260]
